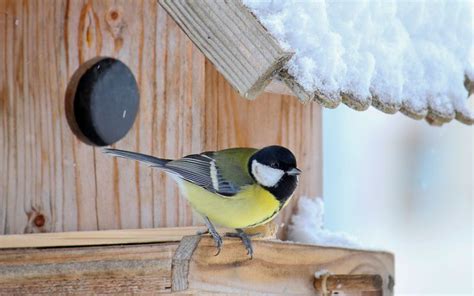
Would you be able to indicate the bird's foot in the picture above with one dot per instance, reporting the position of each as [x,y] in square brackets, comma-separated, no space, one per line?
[218,240]
[245,240]
[213,232]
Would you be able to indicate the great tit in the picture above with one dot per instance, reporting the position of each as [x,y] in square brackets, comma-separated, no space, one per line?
[236,188]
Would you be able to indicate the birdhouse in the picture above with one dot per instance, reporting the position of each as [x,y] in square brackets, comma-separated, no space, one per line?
[166,78]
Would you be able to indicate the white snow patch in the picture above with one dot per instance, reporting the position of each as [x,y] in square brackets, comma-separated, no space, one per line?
[307,227]
[400,51]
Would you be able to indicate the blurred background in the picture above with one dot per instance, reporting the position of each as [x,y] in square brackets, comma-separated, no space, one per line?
[407,187]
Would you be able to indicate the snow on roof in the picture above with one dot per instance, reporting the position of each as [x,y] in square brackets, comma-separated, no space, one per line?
[416,57]
[411,56]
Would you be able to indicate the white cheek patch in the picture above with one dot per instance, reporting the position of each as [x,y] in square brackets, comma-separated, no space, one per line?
[266,175]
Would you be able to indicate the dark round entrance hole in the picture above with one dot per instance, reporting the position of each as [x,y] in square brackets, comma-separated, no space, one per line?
[102,101]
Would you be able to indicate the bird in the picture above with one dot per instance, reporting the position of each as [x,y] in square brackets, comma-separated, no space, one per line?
[235,188]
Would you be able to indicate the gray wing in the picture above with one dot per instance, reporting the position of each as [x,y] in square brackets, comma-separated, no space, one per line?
[203,170]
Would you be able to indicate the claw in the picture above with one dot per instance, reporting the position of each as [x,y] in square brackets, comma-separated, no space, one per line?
[218,241]
[213,232]
[245,240]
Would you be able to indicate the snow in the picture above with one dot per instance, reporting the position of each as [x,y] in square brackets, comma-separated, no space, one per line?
[411,52]
[307,226]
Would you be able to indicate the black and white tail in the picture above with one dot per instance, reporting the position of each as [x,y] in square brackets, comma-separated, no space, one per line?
[146,159]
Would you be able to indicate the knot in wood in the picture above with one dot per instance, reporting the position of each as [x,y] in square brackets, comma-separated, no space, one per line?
[115,21]
[39,220]
[113,14]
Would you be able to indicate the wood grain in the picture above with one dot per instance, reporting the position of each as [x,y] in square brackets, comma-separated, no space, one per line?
[54,175]
[113,237]
[50,181]
[103,237]
[280,268]
[230,36]
[277,86]
[180,264]
[277,268]
[87,270]
[348,283]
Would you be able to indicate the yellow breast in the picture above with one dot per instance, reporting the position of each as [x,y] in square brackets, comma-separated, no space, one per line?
[251,207]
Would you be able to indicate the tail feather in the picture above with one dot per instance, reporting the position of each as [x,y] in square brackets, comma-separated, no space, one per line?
[146,159]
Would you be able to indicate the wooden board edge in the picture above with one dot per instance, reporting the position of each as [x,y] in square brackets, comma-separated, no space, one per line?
[276,86]
[87,270]
[199,22]
[95,238]
[115,237]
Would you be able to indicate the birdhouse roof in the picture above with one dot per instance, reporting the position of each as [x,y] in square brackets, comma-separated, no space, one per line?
[411,57]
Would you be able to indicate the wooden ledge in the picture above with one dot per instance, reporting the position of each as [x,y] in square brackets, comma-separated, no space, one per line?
[186,267]
[116,237]
[96,238]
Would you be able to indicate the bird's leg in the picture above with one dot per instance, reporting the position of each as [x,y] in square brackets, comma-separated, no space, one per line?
[245,240]
[213,232]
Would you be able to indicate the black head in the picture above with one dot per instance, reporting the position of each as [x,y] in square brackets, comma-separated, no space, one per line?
[274,167]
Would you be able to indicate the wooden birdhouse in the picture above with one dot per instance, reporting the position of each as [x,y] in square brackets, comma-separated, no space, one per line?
[166,78]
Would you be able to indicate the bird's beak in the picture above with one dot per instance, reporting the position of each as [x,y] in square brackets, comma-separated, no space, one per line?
[294,172]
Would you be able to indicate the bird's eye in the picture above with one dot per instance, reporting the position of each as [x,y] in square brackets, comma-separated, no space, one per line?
[274,165]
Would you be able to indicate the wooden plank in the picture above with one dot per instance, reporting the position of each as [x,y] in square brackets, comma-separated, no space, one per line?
[276,86]
[52,175]
[230,36]
[87,270]
[104,237]
[270,119]
[112,237]
[279,267]
[50,181]
[308,96]
[276,268]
